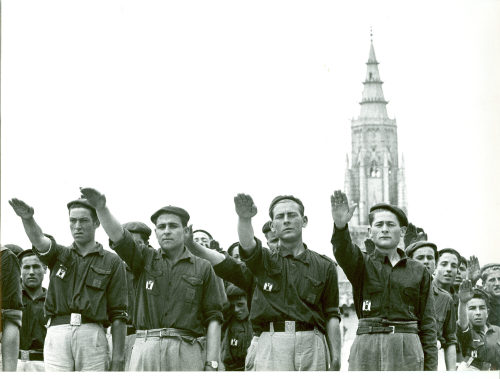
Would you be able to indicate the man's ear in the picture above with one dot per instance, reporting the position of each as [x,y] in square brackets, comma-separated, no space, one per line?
[273,229]
[305,221]
[403,231]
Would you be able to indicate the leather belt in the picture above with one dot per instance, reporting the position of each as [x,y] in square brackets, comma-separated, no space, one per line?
[164,332]
[71,319]
[287,326]
[389,329]
[30,355]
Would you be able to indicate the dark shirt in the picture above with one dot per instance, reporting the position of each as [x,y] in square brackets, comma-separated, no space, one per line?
[399,293]
[183,295]
[33,331]
[446,319]
[130,294]
[10,290]
[494,311]
[302,288]
[238,337]
[237,273]
[485,345]
[93,285]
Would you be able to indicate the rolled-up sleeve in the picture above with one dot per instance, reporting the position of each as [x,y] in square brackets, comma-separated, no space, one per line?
[131,252]
[255,260]
[117,293]
[49,257]
[427,328]
[212,301]
[11,298]
[449,326]
[235,272]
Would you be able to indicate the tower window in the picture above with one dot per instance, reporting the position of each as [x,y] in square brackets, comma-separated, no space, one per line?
[370,76]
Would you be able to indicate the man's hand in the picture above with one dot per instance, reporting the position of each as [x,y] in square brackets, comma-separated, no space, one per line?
[341,212]
[22,209]
[94,197]
[245,207]
[465,291]
[117,365]
[473,270]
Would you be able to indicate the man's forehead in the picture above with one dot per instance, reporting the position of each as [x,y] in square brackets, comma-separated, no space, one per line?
[383,215]
[286,206]
[493,274]
[30,260]
[201,235]
[447,257]
[79,212]
[476,302]
[167,218]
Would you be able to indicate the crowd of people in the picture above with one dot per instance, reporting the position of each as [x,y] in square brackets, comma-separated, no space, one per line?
[191,306]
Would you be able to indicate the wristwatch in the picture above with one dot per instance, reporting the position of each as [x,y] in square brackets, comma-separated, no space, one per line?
[213,364]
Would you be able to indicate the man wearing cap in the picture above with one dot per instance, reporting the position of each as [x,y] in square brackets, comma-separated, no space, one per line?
[392,294]
[426,253]
[176,294]
[87,292]
[271,238]
[480,340]
[490,275]
[11,309]
[295,302]
[33,329]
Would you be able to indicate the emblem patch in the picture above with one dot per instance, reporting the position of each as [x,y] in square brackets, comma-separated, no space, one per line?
[367,305]
[268,287]
[61,272]
[473,354]
[234,342]
[149,285]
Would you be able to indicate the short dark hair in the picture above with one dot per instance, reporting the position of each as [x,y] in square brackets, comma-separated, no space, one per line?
[234,292]
[266,228]
[464,261]
[481,294]
[277,199]
[450,251]
[231,248]
[93,213]
[410,250]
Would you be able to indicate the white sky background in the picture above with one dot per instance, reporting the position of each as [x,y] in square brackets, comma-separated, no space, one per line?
[190,102]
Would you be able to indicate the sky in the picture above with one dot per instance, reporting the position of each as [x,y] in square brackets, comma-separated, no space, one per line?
[188,103]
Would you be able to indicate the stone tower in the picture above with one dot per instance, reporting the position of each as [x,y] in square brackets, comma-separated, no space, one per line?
[375,173]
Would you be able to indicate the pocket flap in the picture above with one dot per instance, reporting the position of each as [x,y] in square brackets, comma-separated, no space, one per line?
[192,280]
[100,270]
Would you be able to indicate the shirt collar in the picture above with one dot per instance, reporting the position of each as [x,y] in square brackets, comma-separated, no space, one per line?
[384,258]
[186,255]
[303,257]
[41,297]
[97,249]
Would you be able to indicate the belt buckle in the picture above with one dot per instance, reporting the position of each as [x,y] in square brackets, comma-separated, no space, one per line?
[393,328]
[25,355]
[290,326]
[76,319]
[163,333]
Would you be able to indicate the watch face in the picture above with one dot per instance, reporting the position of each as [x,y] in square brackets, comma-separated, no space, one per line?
[213,364]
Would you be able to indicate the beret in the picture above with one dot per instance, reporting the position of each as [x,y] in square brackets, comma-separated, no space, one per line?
[204,231]
[183,215]
[417,245]
[14,248]
[24,253]
[266,228]
[488,269]
[277,199]
[83,203]
[403,220]
[137,227]
[449,250]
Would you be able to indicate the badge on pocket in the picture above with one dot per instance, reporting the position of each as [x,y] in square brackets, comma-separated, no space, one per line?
[367,305]
[149,285]
[61,272]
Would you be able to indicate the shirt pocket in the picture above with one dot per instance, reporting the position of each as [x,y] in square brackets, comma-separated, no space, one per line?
[310,289]
[192,288]
[269,284]
[98,277]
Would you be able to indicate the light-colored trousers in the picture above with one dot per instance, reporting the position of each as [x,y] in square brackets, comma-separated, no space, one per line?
[30,366]
[167,354]
[289,351]
[76,348]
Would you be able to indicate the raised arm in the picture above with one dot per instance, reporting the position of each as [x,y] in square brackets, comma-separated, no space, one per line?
[341,212]
[213,256]
[465,293]
[245,209]
[33,231]
[110,224]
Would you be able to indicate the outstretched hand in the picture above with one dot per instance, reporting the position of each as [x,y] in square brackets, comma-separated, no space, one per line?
[188,236]
[465,291]
[244,205]
[473,269]
[341,212]
[22,209]
[94,197]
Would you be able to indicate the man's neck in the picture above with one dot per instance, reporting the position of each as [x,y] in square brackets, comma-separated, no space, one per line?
[295,247]
[174,254]
[34,293]
[391,253]
[443,286]
[86,248]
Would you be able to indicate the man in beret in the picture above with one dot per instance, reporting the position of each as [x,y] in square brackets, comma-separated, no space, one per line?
[87,292]
[296,299]
[480,340]
[11,306]
[392,293]
[33,330]
[176,292]
[271,238]
[490,276]
[426,253]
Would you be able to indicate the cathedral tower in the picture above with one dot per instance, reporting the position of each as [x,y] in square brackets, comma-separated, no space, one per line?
[375,173]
